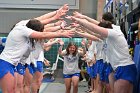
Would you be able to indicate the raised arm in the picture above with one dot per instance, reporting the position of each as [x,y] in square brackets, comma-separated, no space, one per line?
[79,15]
[92,33]
[84,32]
[55,26]
[52,29]
[46,18]
[58,23]
[60,52]
[51,42]
[84,47]
[48,35]
[86,35]
[95,28]
[48,45]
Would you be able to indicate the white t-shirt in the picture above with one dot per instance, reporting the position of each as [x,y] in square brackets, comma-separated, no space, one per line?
[41,56]
[23,60]
[38,52]
[117,28]
[17,43]
[91,51]
[104,51]
[117,49]
[29,59]
[70,65]
[99,50]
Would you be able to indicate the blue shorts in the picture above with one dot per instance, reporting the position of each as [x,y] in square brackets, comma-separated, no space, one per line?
[20,69]
[88,69]
[71,75]
[102,69]
[94,68]
[91,71]
[6,67]
[108,70]
[98,63]
[30,67]
[128,73]
[39,67]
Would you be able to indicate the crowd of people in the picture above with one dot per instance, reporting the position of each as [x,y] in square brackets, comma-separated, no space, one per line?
[106,53]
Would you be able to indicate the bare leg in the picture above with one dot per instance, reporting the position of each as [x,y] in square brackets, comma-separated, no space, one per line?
[75,80]
[15,75]
[111,82]
[92,84]
[27,81]
[123,86]
[95,85]
[107,87]
[68,84]
[8,83]
[99,86]
[37,79]
[19,84]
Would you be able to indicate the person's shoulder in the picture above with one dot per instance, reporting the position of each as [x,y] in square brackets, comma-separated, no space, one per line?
[112,32]
[22,22]
[116,27]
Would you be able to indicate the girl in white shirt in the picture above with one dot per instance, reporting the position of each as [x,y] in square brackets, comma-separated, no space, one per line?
[71,71]
[17,44]
[118,55]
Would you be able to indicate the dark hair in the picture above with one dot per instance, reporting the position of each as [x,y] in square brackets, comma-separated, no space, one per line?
[35,25]
[105,24]
[108,17]
[69,45]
